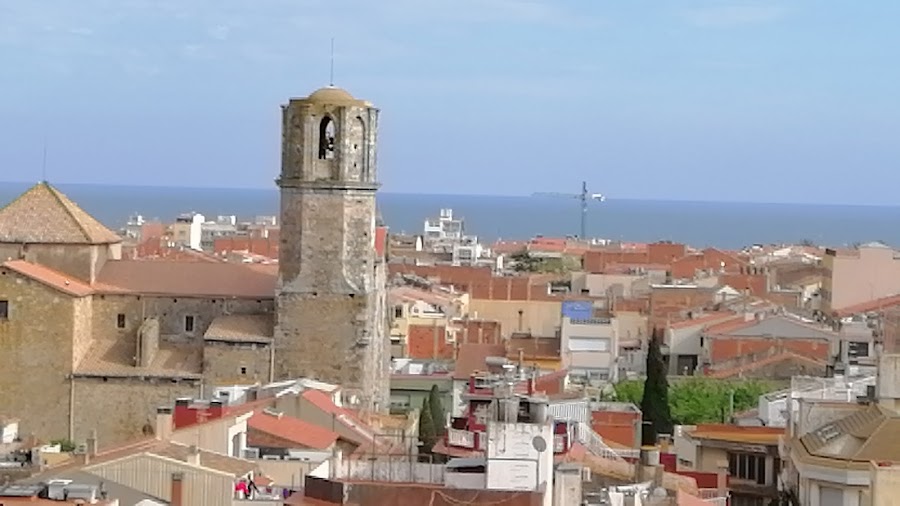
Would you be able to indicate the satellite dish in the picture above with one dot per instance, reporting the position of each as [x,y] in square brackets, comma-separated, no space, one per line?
[539,444]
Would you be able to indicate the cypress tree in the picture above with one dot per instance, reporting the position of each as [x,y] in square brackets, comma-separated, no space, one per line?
[655,403]
[427,434]
[438,416]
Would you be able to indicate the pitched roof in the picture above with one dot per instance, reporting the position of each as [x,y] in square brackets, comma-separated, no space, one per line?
[242,328]
[865,307]
[347,418]
[49,277]
[766,361]
[189,279]
[470,358]
[292,430]
[43,215]
[866,435]
[149,446]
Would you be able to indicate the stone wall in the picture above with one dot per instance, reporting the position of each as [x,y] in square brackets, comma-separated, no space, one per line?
[170,311]
[36,356]
[321,336]
[236,363]
[119,409]
[81,261]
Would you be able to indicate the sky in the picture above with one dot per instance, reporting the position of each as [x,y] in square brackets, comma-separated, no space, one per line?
[765,101]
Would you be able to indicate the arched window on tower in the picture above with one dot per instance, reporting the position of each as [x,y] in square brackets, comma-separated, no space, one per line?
[326,139]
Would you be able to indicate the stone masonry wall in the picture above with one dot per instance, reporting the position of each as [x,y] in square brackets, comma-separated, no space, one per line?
[171,312]
[318,336]
[120,408]
[35,356]
[76,260]
[236,364]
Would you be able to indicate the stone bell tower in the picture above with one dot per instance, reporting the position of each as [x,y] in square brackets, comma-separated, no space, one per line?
[331,309]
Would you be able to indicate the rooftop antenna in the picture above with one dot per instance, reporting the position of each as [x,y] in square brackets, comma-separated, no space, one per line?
[44,162]
[331,76]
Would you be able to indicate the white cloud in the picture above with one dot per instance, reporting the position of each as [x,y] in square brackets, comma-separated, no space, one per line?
[732,15]
[219,32]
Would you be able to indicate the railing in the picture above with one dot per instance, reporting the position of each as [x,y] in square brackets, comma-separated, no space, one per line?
[713,496]
[594,444]
[462,438]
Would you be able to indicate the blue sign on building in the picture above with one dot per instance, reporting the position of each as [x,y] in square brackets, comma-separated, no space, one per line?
[578,309]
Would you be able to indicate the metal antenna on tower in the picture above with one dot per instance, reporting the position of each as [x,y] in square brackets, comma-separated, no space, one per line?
[331,76]
[44,162]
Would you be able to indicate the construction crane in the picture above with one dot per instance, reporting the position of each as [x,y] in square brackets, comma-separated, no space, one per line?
[585,197]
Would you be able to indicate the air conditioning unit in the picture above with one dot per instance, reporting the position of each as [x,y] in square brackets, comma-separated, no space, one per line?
[251,453]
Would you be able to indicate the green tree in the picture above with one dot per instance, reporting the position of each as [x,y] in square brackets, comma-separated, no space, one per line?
[696,399]
[438,416]
[427,432]
[655,401]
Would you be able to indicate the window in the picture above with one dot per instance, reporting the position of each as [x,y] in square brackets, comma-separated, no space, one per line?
[398,311]
[120,321]
[595,344]
[243,371]
[4,309]
[188,323]
[744,466]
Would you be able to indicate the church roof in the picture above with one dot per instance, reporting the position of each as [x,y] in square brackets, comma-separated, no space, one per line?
[44,215]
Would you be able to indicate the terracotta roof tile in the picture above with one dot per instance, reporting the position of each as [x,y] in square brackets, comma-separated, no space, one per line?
[349,419]
[470,358]
[293,430]
[737,434]
[706,319]
[43,215]
[49,277]
[248,328]
[116,359]
[189,279]
[865,307]
[769,360]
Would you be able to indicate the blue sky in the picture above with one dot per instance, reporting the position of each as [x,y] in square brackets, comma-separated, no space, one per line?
[787,101]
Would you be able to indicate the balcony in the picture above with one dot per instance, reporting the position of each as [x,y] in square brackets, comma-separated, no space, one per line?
[461,438]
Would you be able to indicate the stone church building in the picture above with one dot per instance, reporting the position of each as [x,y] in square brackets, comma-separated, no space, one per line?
[89,341]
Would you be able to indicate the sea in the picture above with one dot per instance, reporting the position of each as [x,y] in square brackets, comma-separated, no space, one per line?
[718,224]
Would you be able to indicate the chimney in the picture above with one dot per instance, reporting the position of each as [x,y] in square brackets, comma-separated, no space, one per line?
[216,409]
[163,430]
[193,456]
[722,477]
[91,445]
[177,492]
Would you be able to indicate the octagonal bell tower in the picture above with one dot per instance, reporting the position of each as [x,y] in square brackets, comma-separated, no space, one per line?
[331,309]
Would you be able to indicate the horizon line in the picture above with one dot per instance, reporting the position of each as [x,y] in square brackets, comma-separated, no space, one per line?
[478,195]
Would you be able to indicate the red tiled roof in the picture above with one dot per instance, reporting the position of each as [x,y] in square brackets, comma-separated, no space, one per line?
[470,358]
[189,279]
[736,322]
[293,430]
[50,278]
[705,319]
[865,307]
[772,359]
[347,417]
